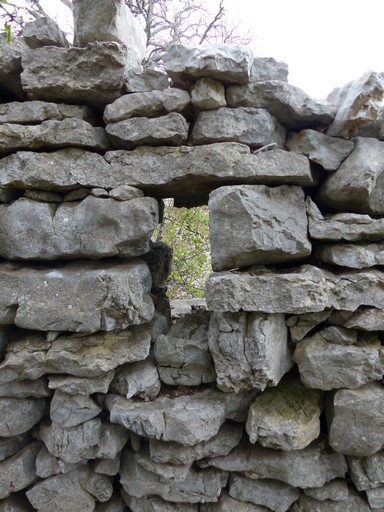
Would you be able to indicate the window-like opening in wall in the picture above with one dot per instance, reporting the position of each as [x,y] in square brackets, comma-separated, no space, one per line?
[186,230]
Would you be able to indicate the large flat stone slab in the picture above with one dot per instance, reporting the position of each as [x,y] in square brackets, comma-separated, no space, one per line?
[354,503]
[90,296]
[352,255]
[257,225]
[92,228]
[306,289]
[33,112]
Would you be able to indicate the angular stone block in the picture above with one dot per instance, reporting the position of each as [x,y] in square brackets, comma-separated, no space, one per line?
[362,319]
[82,385]
[208,94]
[228,504]
[156,504]
[71,410]
[256,225]
[367,472]
[44,32]
[10,67]
[139,379]
[19,472]
[34,112]
[146,81]
[18,415]
[267,68]
[252,126]
[352,255]
[335,490]
[354,503]
[250,350]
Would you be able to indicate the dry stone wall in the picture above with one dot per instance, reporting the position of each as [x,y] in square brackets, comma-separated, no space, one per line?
[269,399]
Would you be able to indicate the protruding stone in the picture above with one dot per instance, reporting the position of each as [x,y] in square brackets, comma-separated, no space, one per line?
[170,130]
[148,80]
[18,472]
[267,68]
[44,32]
[139,379]
[339,335]
[361,408]
[230,64]
[326,366]
[228,504]
[33,112]
[289,104]
[10,445]
[358,184]
[166,472]
[358,103]
[182,355]
[71,410]
[18,415]
[252,126]
[82,385]
[273,494]
[301,325]
[10,67]
[48,465]
[335,490]
[354,503]
[362,319]
[367,472]
[147,104]
[25,389]
[250,350]
[52,73]
[286,417]
[256,225]
[208,94]
[321,149]
[352,255]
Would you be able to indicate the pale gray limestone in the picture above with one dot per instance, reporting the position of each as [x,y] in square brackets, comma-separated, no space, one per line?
[208,94]
[33,112]
[18,415]
[267,68]
[18,472]
[71,410]
[44,32]
[335,490]
[354,503]
[352,255]
[139,379]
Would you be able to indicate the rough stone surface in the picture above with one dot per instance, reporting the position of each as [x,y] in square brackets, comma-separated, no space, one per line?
[156,504]
[139,379]
[10,445]
[348,227]
[52,73]
[273,494]
[321,149]
[301,325]
[208,94]
[363,319]
[52,134]
[367,472]
[15,503]
[358,185]
[327,366]
[186,419]
[18,472]
[43,32]
[289,104]
[182,355]
[358,103]
[83,385]
[169,130]
[252,126]
[71,410]
[340,335]
[94,21]
[376,497]
[173,472]
[306,289]
[33,112]
[147,80]
[227,63]
[314,465]
[267,68]
[354,503]
[147,104]
[362,408]
[250,350]
[286,417]
[169,172]
[10,67]
[46,231]
[81,356]
[25,388]
[117,296]
[48,465]
[198,486]
[352,255]
[18,415]
[255,224]
[228,504]
[335,490]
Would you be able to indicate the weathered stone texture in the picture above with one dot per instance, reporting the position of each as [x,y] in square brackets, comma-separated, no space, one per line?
[18,472]
[267,68]
[18,415]
[208,94]
[33,112]
[43,32]
[352,255]
[354,503]
[255,224]
[139,379]
[10,66]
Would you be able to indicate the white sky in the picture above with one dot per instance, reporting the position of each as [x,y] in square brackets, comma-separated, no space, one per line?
[326,43]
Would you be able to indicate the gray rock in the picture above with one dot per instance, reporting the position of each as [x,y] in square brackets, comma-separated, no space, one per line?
[354,503]
[339,335]
[305,289]
[18,472]
[375,497]
[96,21]
[198,170]
[33,112]
[182,307]
[48,465]
[18,415]
[362,319]
[115,504]
[139,379]
[44,32]
[252,126]
[108,467]
[228,504]
[285,417]
[46,231]
[198,486]
[148,80]
[146,104]
[170,130]
[352,255]
[221,444]
[357,185]
[226,63]
[25,388]
[125,193]
[186,419]
[83,356]
[321,149]
[52,73]
[10,66]
[324,365]
[7,196]
[43,196]
[10,445]
[71,410]
[182,355]
[250,350]
[82,385]
[359,103]
[117,296]
[208,94]
[314,465]
[155,504]
[267,68]
[374,129]
[15,503]
[289,104]
[335,490]
[166,472]
[52,134]
[255,224]
[90,440]
[301,325]
[348,227]
[367,472]
[361,408]
[273,494]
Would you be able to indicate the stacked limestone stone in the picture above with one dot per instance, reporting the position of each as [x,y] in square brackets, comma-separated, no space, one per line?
[269,400]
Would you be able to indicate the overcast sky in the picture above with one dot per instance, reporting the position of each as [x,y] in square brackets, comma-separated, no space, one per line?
[326,43]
